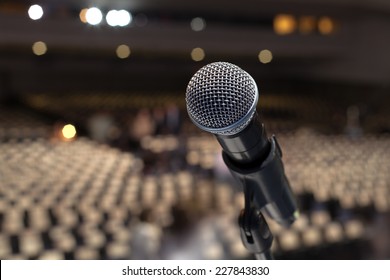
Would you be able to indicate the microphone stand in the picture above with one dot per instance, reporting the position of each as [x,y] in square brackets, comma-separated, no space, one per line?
[255,233]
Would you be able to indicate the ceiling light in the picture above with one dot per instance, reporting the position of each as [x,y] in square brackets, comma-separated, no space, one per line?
[326,25]
[284,24]
[39,48]
[93,16]
[35,12]
[123,51]
[265,56]
[307,24]
[198,24]
[197,54]
[118,18]
[83,15]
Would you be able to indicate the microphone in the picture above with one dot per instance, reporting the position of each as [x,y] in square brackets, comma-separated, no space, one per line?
[221,99]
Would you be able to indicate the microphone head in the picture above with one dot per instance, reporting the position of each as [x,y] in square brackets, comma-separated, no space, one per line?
[221,98]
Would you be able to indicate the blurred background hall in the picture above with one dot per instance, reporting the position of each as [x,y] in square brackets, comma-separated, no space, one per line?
[98,157]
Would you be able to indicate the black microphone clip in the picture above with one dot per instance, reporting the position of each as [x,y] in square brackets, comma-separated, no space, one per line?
[268,185]
[256,162]
[265,185]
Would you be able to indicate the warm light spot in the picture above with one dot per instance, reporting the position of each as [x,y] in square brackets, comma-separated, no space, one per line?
[265,56]
[35,12]
[123,51]
[69,131]
[83,15]
[39,48]
[284,24]
[326,25]
[197,54]
[307,24]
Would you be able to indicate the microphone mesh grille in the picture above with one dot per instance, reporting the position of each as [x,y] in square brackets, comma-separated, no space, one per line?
[219,96]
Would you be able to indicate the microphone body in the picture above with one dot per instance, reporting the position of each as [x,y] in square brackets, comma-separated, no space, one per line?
[247,147]
[260,170]
[213,103]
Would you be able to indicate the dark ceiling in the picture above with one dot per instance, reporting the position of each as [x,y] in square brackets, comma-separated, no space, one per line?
[82,57]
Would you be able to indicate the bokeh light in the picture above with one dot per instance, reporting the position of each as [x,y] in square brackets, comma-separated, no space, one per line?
[284,24]
[265,56]
[118,18]
[35,12]
[198,24]
[83,15]
[69,131]
[123,51]
[307,24]
[39,48]
[197,54]
[326,25]
[93,16]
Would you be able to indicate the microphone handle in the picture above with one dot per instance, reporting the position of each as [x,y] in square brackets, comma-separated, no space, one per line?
[247,147]
[256,162]
[268,184]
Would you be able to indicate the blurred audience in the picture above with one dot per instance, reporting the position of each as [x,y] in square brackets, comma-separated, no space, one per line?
[146,237]
[102,127]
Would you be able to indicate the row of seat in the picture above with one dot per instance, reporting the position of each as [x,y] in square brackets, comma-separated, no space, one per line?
[330,167]
[80,199]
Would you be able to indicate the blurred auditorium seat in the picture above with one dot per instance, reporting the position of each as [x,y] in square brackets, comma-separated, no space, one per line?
[81,200]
